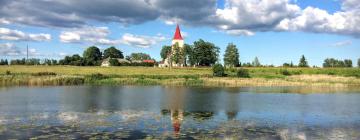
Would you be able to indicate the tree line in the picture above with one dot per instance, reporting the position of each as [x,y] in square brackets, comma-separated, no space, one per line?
[92,56]
[200,53]
[203,53]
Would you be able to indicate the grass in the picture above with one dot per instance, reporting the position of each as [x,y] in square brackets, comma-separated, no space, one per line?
[72,75]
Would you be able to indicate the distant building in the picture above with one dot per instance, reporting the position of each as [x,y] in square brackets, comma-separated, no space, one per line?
[176,40]
[106,62]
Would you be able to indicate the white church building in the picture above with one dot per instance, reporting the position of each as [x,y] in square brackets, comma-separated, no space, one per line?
[180,41]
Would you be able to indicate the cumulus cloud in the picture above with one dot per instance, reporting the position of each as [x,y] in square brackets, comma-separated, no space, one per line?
[238,17]
[16,35]
[320,21]
[100,36]
[257,15]
[10,49]
[140,40]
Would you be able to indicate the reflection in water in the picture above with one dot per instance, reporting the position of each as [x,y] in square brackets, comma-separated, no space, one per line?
[177,112]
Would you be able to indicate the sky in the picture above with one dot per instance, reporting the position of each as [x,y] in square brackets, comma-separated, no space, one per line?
[275,31]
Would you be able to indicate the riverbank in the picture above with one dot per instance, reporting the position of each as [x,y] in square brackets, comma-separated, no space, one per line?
[70,75]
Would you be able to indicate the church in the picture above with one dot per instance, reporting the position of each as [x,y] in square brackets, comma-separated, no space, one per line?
[178,39]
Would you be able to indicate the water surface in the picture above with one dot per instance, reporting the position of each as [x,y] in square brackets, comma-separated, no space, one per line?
[136,112]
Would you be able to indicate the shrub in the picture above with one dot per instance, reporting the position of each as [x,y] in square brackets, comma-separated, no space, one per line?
[8,72]
[244,73]
[114,62]
[218,70]
[44,74]
[285,72]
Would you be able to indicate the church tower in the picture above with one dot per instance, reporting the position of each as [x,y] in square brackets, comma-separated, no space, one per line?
[178,38]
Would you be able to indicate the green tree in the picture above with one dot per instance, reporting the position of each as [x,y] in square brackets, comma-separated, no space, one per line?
[218,70]
[165,52]
[177,54]
[303,62]
[205,53]
[112,52]
[188,55]
[348,63]
[92,56]
[359,62]
[139,56]
[114,62]
[231,56]
[256,62]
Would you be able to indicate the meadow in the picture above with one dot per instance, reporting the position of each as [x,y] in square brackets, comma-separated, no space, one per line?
[259,76]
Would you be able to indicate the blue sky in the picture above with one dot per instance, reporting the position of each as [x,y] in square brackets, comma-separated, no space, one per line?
[318,29]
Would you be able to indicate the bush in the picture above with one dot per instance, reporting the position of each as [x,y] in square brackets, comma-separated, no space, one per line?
[218,70]
[244,73]
[8,72]
[285,72]
[114,62]
[44,74]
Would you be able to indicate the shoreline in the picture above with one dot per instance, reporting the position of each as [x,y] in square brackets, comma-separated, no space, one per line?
[193,81]
[72,75]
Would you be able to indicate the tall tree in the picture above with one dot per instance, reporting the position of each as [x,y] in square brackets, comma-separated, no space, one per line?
[139,56]
[256,62]
[92,55]
[165,52]
[231,56]
[188,55]
[303,62]
[205,53]
[359,62]
[177,54]
[112,52]
[348,63]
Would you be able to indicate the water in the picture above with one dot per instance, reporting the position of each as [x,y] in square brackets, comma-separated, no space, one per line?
[135,112]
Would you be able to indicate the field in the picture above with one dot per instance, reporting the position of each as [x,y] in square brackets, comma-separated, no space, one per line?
[72,75]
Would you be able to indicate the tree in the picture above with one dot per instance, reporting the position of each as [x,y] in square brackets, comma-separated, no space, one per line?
[177,54]
[348,63]
[231,56]
[256,62]
[331,62]
[188,55]
[112,52]
[218,70]
[92,56]
[114,62]
[139,56]
[359,62]
[165,52]
[205,53]
[303,62]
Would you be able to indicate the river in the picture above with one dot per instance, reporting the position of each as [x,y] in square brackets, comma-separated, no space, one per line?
[138,112]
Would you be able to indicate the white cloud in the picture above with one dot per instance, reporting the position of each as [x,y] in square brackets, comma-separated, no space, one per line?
[320,21]
[240,32]
[140,40]
[342,43]
[10,49]
[242,17]
[4,21]
[96,35]
[99,36]
[16,35]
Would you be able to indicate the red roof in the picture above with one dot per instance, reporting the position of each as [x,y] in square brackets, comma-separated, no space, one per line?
[148,61]
[177,35]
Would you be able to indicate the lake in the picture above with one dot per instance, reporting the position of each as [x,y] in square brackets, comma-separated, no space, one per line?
[138,112]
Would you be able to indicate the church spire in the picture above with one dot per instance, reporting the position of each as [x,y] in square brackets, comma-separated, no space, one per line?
[177,35]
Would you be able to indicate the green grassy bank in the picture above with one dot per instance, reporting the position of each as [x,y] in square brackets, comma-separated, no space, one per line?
[72,75]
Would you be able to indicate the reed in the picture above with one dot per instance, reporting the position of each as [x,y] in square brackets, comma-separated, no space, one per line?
[71,75]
